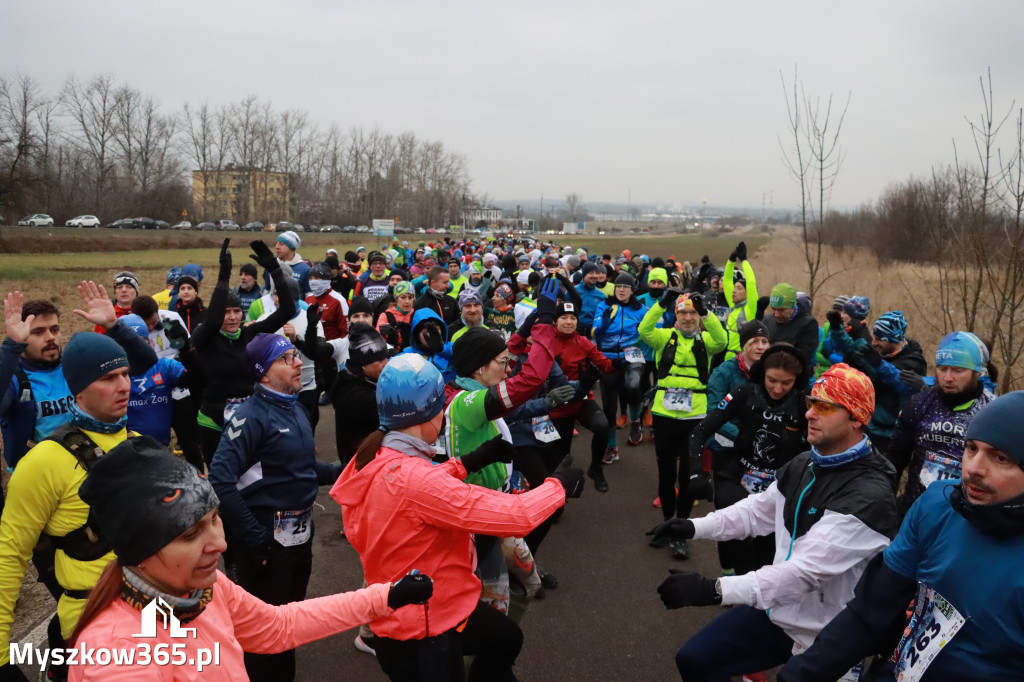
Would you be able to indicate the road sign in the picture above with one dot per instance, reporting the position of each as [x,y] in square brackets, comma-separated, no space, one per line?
[384,228]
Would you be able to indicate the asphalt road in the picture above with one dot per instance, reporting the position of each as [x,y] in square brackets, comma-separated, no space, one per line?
[603,622]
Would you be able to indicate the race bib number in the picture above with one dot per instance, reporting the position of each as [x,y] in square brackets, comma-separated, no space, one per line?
[677,399]
[544,430]
[230,407]
[757,480]
[934,623]
[292,527]
[633,354]
[938,468]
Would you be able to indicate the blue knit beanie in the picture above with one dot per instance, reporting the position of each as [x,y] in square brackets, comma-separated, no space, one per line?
[857,307]
[87,357]
[137,324]
[1000,425]
[891,327]
[961,349]
[410,391]
[261,352]
[193,270]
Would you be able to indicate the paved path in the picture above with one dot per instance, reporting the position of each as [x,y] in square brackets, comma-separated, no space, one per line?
[604,622]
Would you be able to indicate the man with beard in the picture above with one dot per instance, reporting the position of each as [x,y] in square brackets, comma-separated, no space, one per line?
[958,556]
[43,491]
[36,399]
[929,433]
[471,313]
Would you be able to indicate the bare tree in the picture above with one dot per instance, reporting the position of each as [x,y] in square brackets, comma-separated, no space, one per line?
[572,201]
[92,108]
[814,161]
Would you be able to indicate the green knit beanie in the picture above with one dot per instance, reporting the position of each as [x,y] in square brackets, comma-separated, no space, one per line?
[783,296]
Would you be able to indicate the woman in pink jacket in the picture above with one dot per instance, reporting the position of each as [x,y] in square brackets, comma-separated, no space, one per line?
[406,512]
[162,610]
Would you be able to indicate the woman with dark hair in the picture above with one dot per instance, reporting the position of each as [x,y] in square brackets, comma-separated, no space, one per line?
[772,430]
[160,516]
[189,305]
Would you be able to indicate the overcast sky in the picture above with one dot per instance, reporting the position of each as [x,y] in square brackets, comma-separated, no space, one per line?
[666,101]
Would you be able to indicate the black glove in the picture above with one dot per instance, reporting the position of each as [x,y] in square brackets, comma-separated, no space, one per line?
[700,487]
[225,262]
[570,477]
[312,321]
[588,375]
[11,673]
[391,335]
[741,251]
[547,299]
[560,395]
[176,334]
[835,320]
[263,256]
[527,326]
[411,589]
[495,450]
[686,588]
[698,304]
[871,356]
[912,379]
[668,299]
[733,257]
[673,529]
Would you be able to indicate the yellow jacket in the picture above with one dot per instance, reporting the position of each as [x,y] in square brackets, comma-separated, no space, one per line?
[42,496]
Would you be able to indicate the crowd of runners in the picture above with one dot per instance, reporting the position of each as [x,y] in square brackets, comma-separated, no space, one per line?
[869,500]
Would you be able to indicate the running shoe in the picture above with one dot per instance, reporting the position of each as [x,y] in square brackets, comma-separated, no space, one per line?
[600,484]
[621,421]
[636,434]
[679,550]
[610,455]
[548,580]
[366,645]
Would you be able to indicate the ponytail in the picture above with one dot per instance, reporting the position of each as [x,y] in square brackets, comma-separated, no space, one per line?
[368,449]
[108,589]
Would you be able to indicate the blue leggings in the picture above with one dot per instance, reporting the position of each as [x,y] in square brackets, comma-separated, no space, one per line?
[742,640]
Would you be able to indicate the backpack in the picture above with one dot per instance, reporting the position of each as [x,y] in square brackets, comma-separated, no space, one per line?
[700,353]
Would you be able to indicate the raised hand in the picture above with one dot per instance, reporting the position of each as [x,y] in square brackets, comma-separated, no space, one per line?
[17,329]
[98,308]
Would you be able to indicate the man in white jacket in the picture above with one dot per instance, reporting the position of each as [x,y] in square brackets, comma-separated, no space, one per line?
[832,509]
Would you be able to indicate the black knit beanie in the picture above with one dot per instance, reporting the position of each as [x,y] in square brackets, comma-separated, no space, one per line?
[475,348]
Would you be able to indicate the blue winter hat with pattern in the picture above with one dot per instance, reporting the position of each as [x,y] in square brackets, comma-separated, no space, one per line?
[261,352]
[891,327]
[961,349]
[999,424]
[173,275]
[410,391]
[857,307]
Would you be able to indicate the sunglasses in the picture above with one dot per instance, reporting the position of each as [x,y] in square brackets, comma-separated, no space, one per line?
[822,407]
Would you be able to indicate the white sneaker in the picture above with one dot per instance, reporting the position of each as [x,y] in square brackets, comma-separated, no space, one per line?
[364,645]
[610,455]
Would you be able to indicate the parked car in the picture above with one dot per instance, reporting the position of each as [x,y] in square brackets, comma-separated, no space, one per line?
[331,228]
[420,230]
[183,225]
[230,225]
[163,225]
[312,228]
[403,230]
[143,224]
[120,224]
[362,229]
[348,229]
[37,220]
[298,227]
[83,221]
[283,226]
[255,226]
[206,226]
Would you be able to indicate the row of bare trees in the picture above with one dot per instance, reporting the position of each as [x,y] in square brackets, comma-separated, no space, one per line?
[106,148]
[964,222]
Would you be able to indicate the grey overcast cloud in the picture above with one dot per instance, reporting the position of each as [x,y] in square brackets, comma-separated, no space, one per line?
[662,102]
